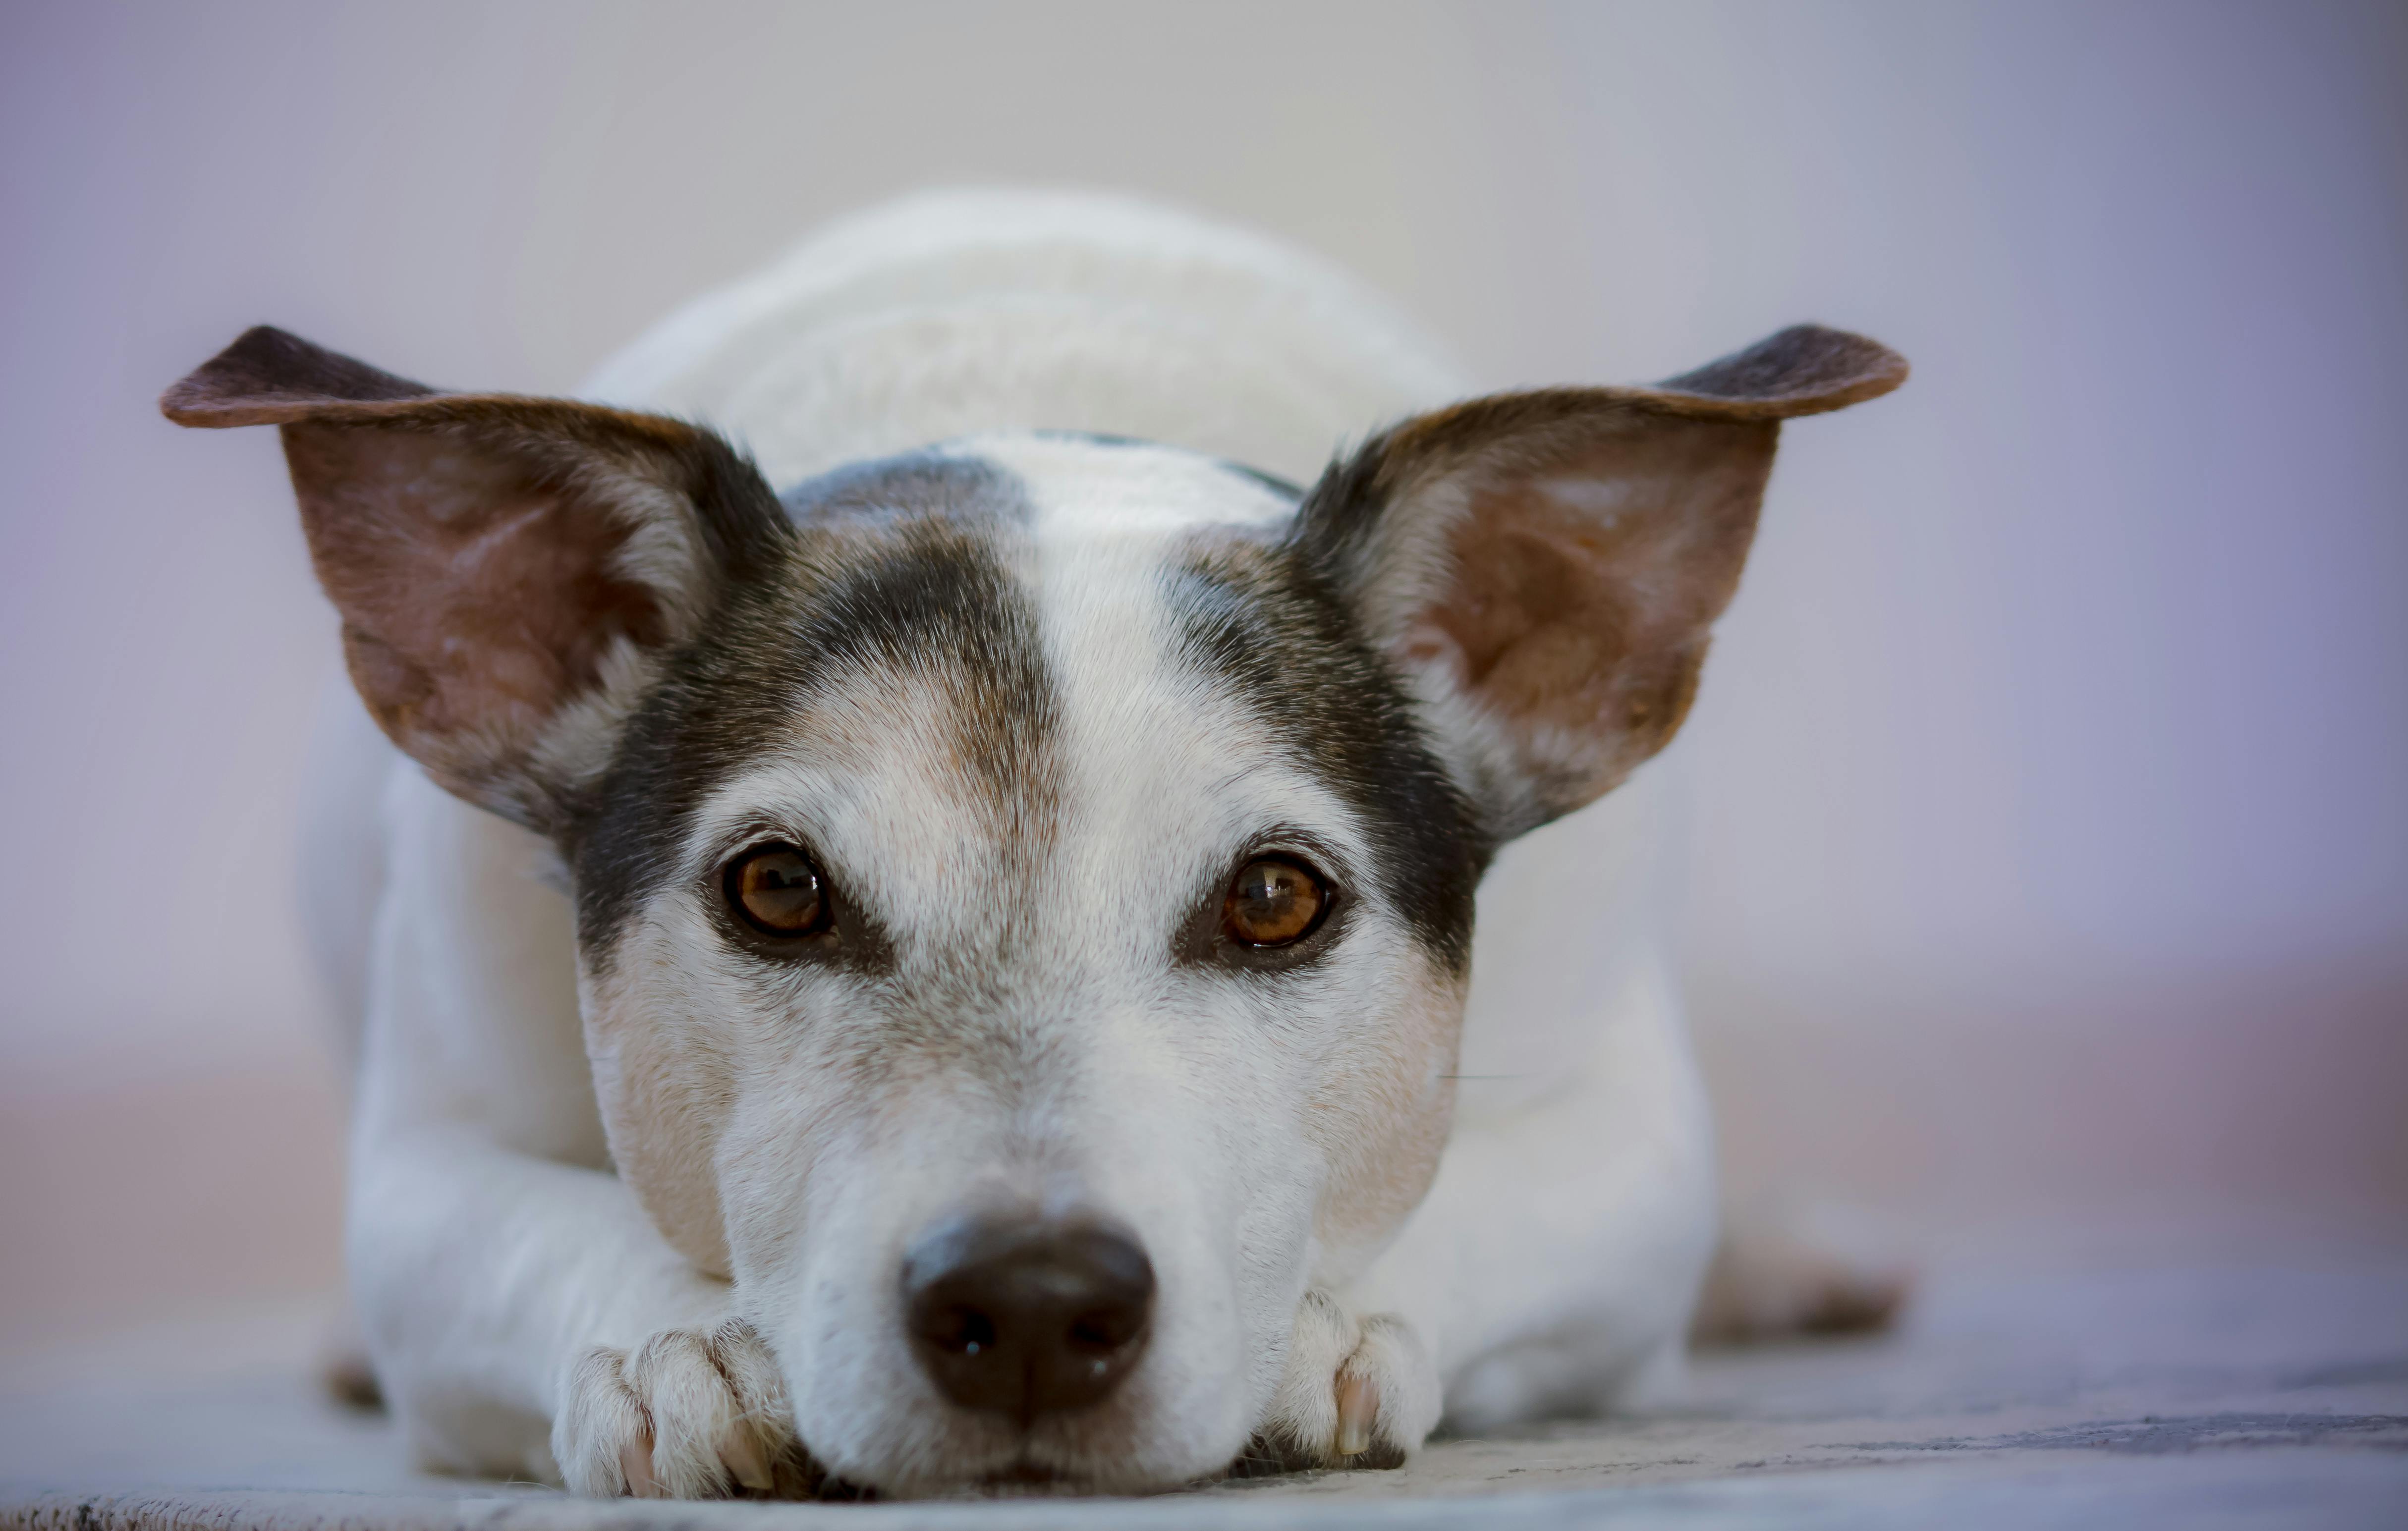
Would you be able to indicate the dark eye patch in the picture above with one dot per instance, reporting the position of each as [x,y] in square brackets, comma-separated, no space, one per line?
[1270,631]
[893,562]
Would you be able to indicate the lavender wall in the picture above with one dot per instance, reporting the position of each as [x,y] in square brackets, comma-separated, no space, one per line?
[2050,851]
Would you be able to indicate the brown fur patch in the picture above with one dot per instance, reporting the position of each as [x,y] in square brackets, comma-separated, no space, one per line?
[1381,1114]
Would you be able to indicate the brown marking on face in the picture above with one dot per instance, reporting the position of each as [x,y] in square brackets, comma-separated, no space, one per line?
[1381,1116]
[921,560]
[890,699]
[664,1090]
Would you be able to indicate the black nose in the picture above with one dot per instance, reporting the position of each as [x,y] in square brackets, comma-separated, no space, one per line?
[1025,1317]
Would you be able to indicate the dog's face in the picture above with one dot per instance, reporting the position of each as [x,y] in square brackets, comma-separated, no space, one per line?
[1024,888]
[1032,849]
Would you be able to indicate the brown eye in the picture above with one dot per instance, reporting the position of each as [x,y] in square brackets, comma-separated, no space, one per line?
[1272,903]
[777,891]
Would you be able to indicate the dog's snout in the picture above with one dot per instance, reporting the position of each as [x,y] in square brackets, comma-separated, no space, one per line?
[1024,1317]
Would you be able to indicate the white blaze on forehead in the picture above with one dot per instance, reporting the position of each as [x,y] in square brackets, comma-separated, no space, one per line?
[1158,769]
[1081,487]
[1164,767]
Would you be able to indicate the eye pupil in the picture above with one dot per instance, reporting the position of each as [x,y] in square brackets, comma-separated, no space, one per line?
[777,891]
[1273,902]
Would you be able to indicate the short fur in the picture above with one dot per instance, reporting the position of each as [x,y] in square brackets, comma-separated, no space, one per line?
[1037,646]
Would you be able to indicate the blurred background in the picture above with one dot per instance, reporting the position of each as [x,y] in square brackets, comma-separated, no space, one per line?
[2048,877]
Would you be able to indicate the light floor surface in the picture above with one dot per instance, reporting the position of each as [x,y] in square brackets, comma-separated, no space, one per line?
[2272,1393]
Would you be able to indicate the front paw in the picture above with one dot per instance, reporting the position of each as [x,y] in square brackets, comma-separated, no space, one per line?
[688,1414]
[1357,1393]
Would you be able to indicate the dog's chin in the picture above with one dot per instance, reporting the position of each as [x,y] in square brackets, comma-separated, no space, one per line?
[1029,1475]
[1035,1466]
[1024,1477]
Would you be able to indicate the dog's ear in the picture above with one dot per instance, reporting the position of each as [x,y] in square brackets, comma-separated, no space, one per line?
[510,572]
[1544,567]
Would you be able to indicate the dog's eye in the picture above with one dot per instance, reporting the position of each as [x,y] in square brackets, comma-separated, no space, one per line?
[777,891]
[1273,902]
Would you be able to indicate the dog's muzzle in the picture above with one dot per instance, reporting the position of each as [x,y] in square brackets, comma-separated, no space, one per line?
[1024,1317]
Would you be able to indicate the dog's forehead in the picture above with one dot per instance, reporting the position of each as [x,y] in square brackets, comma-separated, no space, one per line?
[1055,750]
[1086,487]
[1029,660]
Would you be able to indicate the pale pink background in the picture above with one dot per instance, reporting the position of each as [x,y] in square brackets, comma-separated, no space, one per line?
[2050,860]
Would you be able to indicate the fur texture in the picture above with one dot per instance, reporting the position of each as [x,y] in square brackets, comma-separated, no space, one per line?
[1033,645]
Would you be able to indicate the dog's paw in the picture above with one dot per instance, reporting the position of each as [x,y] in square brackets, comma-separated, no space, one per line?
[1357,1393]
[688,1414]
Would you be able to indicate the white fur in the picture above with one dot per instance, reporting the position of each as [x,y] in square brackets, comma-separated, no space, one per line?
[493,1250]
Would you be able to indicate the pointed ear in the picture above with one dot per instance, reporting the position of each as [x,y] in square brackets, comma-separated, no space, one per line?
[1544,567]
[510,572]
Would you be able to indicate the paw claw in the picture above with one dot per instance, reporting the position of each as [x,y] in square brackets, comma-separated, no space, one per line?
[1358,1392]
[1358,1405]
[745,1461]
[635,1466]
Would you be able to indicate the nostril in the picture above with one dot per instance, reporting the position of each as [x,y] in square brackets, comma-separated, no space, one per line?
[1025,1317]
[1101,1331]
[958,1328]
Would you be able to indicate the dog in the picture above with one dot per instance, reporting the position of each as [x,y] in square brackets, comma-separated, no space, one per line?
[935,947]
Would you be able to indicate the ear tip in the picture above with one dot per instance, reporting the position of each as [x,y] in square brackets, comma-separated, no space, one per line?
[1876,368]
[270,375]
[215,392]
[1806,369]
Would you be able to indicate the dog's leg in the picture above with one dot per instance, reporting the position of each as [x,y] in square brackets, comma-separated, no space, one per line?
[524,1314]
[1555,1263]
[528,1320]
[486,1279]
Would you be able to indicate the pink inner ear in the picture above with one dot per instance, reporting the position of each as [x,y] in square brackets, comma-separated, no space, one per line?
[1582,590]
[1536,614]
[477,600]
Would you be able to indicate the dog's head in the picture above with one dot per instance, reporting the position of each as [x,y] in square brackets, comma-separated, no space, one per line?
[1024,888]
